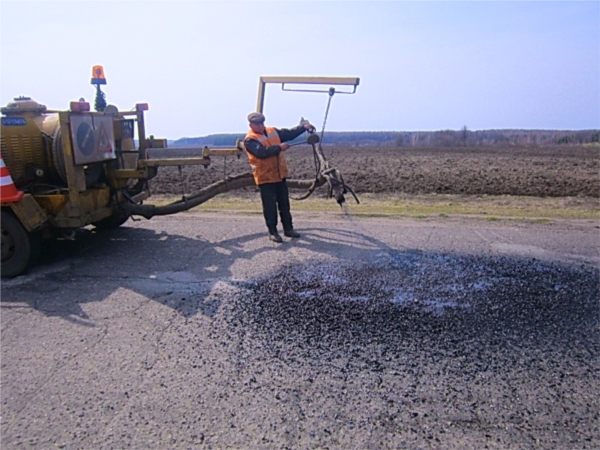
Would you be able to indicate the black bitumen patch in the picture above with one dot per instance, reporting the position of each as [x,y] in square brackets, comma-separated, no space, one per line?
[432,348]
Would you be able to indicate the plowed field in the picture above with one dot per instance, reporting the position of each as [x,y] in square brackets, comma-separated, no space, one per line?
[538,172]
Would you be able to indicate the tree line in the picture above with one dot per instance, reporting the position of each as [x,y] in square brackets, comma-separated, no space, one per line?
[443,138]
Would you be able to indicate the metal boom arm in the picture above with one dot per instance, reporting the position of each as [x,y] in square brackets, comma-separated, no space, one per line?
[335,81]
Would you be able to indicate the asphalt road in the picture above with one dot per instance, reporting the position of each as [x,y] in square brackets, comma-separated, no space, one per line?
[195,331]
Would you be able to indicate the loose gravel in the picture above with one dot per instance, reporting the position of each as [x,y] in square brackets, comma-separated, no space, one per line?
[423,350]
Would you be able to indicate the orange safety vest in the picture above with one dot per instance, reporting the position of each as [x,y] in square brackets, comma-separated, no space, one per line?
[268,170]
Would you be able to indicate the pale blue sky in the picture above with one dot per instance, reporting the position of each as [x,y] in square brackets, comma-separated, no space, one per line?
[422,65]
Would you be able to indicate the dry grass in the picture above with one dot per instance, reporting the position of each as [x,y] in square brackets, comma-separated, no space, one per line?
[420,206]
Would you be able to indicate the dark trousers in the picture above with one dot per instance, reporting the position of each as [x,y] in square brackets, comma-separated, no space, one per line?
[275,196]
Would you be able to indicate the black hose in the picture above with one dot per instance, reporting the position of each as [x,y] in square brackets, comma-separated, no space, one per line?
[228,184]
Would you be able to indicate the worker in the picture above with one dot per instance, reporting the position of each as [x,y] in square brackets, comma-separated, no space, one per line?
[265,147]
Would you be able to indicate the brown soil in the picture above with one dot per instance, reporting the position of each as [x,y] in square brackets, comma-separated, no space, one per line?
[540,172]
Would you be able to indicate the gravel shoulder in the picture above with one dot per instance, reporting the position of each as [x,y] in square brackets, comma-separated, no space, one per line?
[195,331]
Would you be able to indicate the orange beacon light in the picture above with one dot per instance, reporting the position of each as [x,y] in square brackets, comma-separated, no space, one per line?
[98,75]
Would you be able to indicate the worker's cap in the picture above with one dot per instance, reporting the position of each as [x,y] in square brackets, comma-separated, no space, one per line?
[256,117]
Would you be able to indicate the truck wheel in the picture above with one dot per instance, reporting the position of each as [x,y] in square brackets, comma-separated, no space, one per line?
[114,221]
[20,249]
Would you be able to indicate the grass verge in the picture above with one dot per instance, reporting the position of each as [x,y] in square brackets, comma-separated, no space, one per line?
[540,209]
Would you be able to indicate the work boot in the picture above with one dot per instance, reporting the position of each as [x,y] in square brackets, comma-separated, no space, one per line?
[275,237]
[291,233]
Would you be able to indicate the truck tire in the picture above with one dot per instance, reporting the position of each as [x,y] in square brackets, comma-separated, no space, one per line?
[20,249]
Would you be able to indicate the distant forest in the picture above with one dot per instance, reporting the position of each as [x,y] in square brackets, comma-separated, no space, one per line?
[443,138]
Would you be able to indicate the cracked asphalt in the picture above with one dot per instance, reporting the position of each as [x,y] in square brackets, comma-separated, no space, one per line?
[195,331]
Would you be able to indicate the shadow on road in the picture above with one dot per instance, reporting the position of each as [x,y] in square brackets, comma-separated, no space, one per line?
[344,270]
[189,275]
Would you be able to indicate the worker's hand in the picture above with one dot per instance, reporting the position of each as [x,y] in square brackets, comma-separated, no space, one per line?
[284,146]
[307,125]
